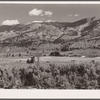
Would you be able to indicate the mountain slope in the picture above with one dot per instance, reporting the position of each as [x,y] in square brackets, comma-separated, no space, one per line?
[82,34]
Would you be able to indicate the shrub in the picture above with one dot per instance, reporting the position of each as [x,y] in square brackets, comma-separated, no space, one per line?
[84,75]
[56,53]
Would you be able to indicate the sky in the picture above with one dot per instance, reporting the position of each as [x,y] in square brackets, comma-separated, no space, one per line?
[11,14]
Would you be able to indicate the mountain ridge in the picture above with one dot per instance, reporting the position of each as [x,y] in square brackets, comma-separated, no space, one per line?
[80,34]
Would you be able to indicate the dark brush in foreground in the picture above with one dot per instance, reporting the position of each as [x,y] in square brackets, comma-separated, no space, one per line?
[70,76]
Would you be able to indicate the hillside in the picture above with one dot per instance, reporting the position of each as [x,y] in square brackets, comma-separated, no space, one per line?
[80,35]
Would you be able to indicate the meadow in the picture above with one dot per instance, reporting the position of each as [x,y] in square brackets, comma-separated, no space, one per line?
[50,73]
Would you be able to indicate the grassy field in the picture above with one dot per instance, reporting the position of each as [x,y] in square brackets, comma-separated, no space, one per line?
[50,73]
[20,62]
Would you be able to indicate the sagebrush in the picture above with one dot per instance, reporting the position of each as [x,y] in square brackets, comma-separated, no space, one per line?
[72,75]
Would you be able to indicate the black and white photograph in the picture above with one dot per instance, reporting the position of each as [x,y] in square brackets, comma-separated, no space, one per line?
[50,46]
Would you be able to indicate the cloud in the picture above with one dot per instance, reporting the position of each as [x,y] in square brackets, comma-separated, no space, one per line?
[40,12]
[10,22]
[76,15]
[50,21]
[37,21]
[48,13]
[35,12]
[40,21]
